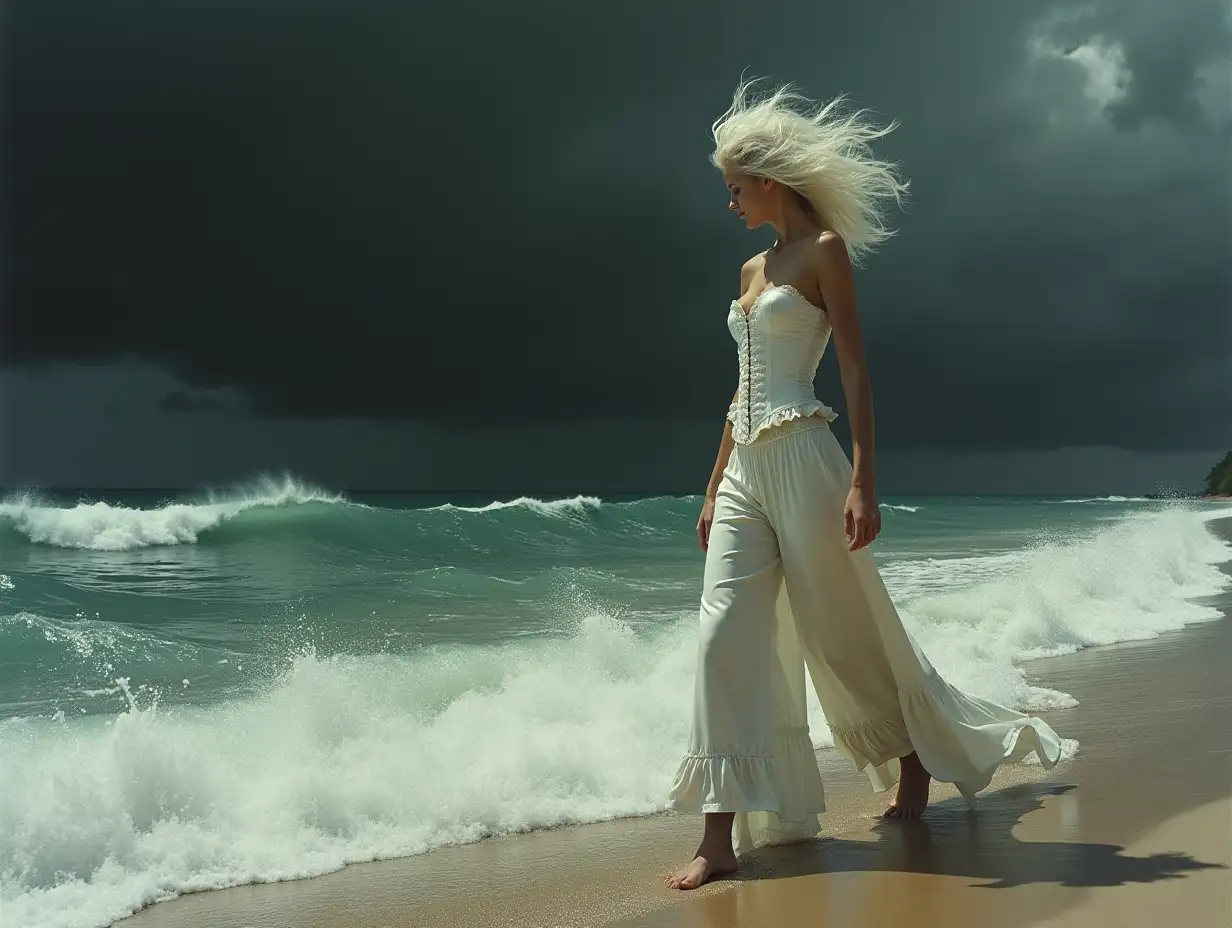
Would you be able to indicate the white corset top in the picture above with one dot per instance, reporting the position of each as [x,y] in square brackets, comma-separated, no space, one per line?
[781,341]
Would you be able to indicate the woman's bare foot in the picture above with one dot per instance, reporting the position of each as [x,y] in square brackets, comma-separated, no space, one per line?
[912,795]
[709,862]
[714,857]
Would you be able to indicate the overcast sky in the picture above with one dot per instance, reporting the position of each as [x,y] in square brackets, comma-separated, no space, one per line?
[479,245]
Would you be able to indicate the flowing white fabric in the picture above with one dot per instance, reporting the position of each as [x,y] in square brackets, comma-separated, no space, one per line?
[782,592]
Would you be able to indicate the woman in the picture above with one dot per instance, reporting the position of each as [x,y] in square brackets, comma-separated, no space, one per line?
[787,520]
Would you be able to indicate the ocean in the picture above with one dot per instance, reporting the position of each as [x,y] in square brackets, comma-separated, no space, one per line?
[203,690]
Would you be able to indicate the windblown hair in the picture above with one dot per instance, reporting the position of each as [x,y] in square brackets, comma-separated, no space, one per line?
[820,152]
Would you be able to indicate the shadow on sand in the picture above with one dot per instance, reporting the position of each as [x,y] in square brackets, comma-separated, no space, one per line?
[951,840]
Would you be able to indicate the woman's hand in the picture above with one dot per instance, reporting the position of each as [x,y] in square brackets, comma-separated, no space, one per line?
[861,518]
[704,521]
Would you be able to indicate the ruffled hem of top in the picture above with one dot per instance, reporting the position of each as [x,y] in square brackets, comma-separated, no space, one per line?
[787,783]
[959,739]
[786,414]
[798,411]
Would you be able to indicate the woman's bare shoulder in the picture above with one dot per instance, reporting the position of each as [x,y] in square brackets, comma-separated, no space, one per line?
[750,269]
[829,256]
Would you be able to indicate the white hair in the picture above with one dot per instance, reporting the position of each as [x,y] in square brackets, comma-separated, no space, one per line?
[822,154]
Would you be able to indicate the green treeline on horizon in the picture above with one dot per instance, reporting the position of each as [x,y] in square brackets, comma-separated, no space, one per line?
[1219,480]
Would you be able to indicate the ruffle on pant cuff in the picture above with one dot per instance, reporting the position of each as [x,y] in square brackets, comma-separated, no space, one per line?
[752,830]
[787,783]
[873,744]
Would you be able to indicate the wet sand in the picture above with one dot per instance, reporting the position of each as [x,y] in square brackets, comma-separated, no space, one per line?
[1135,830]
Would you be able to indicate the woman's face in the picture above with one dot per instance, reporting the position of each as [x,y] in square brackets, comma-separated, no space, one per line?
[751,197]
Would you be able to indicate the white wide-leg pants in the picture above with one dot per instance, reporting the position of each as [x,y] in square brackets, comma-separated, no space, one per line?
[781,591]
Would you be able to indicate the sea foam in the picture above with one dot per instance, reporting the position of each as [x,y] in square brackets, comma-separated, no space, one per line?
[357,757]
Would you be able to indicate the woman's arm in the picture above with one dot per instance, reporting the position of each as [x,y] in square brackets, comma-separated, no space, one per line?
[832,265]
[706,519]
[720,463]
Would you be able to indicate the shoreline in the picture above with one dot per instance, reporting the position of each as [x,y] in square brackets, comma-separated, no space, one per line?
[1069,844]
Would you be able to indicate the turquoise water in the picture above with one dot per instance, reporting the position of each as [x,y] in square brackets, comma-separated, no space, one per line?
[278,680]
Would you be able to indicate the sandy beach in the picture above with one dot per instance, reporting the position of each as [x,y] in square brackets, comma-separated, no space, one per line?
[1134,830]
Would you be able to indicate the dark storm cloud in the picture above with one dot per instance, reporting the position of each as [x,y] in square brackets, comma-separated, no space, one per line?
[485,212]
[1171,52]
[184,401]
